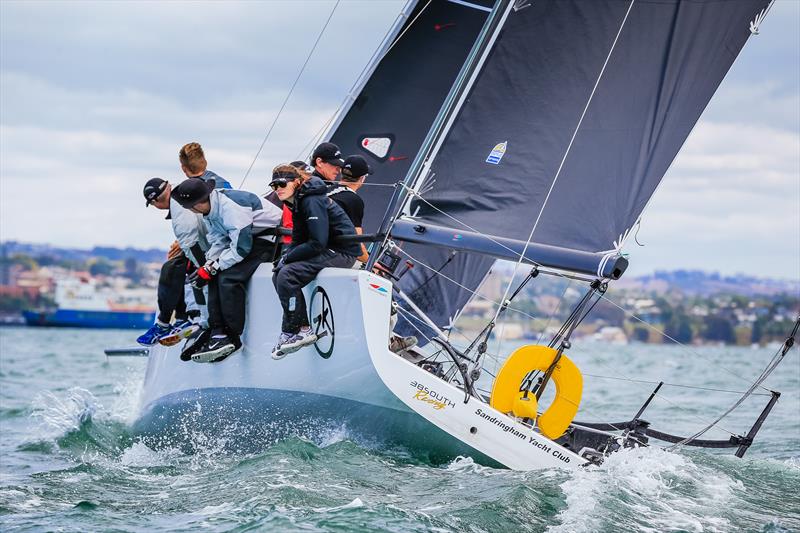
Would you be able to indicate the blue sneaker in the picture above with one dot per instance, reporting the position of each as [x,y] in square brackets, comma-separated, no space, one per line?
[181,329]
[151,336]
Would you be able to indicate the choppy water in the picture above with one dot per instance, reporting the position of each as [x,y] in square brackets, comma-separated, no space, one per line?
[70,463]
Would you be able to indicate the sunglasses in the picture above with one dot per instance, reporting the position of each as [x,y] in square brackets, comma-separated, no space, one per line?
[280,183]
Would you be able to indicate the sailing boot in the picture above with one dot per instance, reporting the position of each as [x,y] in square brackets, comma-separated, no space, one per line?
[181,329]
[151,336]
[219,346]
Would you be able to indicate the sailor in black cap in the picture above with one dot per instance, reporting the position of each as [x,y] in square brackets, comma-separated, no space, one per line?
[327,161]
[191,241]
[354,171]
[241,234]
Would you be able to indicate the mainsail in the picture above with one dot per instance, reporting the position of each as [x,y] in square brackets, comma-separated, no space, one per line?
[574,116]
[578,112]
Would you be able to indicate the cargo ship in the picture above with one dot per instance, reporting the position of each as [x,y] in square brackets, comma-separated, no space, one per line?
[82,303]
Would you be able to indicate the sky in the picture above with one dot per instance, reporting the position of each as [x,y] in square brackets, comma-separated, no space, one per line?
[97,97]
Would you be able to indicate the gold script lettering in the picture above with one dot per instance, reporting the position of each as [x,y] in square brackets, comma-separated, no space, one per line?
[422,396]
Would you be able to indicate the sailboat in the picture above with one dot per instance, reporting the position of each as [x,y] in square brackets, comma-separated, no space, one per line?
[529,131]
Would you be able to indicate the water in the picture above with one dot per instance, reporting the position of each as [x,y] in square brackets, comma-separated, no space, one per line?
[70,463]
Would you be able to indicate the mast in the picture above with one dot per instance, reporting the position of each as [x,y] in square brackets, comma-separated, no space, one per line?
[445,118]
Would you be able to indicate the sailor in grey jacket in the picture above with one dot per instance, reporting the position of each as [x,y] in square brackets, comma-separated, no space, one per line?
[237,224]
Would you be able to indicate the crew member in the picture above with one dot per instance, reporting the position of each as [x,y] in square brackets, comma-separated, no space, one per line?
[318,224]
[327,161]
[353,173]
[194,165]
[241,234]
[190,233]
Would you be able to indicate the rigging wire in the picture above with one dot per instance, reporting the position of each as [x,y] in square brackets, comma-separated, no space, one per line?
[550,318]
[313,141]
[417,195]
[409,314]
[683,386]
[613,369]
[454,282]
[666,336]
[604,296]
[771,366]
[291,90]
[566,154]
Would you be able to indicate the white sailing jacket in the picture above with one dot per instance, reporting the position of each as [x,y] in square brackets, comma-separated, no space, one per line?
[235,219]
[189,230]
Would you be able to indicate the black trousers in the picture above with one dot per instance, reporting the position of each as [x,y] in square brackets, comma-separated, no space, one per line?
[170,289]
[227,291]
[290,280]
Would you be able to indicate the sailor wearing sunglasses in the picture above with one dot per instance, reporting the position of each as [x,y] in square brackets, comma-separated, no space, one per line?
[318,222]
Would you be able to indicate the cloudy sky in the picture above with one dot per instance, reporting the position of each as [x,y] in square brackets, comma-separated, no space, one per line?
[96,97]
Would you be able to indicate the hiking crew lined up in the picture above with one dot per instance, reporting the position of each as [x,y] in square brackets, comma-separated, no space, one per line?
[223,235]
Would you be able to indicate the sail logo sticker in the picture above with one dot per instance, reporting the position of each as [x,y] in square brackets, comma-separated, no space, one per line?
[377,146]
[378,288]
[497,153]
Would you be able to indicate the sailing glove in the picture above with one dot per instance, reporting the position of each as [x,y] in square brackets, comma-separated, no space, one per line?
[203,275]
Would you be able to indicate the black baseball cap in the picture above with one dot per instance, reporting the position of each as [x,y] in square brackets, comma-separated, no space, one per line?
[153,189]
[329,153]
[192,191]
[354,167]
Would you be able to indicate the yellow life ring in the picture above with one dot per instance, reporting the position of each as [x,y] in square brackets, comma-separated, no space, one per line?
[507,398]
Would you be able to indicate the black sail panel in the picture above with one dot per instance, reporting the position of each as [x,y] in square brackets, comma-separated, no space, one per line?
[392,114]
[498,161]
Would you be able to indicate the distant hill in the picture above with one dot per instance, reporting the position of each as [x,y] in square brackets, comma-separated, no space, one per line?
[705,283]
[692,282]
[150,255]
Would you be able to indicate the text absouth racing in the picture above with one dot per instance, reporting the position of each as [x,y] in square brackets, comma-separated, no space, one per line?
[533,441]
[428,395]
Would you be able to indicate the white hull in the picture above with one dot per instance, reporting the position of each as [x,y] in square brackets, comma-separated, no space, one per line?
[361,385]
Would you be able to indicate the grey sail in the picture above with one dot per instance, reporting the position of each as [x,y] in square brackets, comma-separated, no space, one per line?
[394,110]
[495,166]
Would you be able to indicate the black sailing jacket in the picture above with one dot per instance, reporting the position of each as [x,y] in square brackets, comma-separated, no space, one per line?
[318,221]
